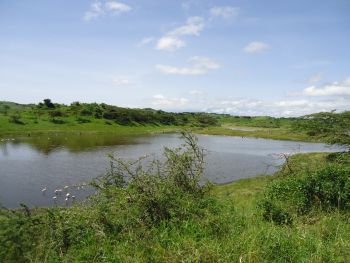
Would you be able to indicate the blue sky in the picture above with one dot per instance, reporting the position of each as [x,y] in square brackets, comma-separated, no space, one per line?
[281,58]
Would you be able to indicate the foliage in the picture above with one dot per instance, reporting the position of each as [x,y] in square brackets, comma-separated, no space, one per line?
[325,189]
[335,127]
[48,103]
[93,112]
[16,119]
[163,190]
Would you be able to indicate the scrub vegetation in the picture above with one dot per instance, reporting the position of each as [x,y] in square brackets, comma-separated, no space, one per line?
[76,118]
[163,212]
[47,117]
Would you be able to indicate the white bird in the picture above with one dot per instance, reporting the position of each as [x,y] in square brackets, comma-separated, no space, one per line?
[58,191]
[44,190]
[66,187]
[68,195]
[54,198]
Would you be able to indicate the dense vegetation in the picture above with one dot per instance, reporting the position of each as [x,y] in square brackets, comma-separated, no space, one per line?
[334,127]
[164,213]
[81,113]
[48,117]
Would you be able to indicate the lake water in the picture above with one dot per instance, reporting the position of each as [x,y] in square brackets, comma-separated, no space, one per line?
[28,165]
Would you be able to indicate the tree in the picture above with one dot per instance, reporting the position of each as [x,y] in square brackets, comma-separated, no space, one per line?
[48,103]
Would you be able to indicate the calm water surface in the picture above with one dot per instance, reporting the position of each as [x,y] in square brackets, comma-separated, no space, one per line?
[28,165]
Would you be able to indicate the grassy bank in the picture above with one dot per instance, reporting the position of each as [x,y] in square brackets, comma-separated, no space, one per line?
[165,215]
[48,117]
[259,132]
[71,127]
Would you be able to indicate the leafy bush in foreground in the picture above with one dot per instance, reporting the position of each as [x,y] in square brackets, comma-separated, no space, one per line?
[325,189]
[165,190]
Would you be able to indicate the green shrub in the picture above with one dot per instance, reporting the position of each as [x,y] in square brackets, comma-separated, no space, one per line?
[83,120]
[325,189]
[168,189]
[275,214]
[16,119]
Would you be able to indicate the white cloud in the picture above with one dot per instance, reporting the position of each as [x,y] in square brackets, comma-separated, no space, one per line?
[172,41]
[333,89]
[251,107]
[193,27]
[97,9]
[200,66]
[224,12]
[117,7]
[278,108]
[315,78]
[256,47]
[161,101]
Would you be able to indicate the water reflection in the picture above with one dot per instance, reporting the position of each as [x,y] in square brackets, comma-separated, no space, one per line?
[74,142]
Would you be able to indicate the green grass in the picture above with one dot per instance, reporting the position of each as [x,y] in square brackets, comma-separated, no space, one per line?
[266,133]
[71,126]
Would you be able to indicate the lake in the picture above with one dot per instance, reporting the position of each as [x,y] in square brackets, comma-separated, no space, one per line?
[27,165]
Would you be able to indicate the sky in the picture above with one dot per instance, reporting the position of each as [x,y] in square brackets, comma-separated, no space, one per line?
[248,57]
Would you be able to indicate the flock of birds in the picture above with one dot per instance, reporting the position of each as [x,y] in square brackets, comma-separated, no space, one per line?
[7,140]
[62,192]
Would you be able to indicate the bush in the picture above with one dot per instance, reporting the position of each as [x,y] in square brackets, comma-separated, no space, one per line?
[16,119]
[168,189]
[83,120]
[57,121]
[325,189]
[56,113]
[275,214]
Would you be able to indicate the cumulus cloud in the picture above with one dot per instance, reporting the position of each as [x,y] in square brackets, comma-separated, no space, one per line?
[117,7]
[276,108]
[170,43]
[199,66]
[256,47]
[172,40]
[249,107]
[333,89]
[224,12]
[98,8]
